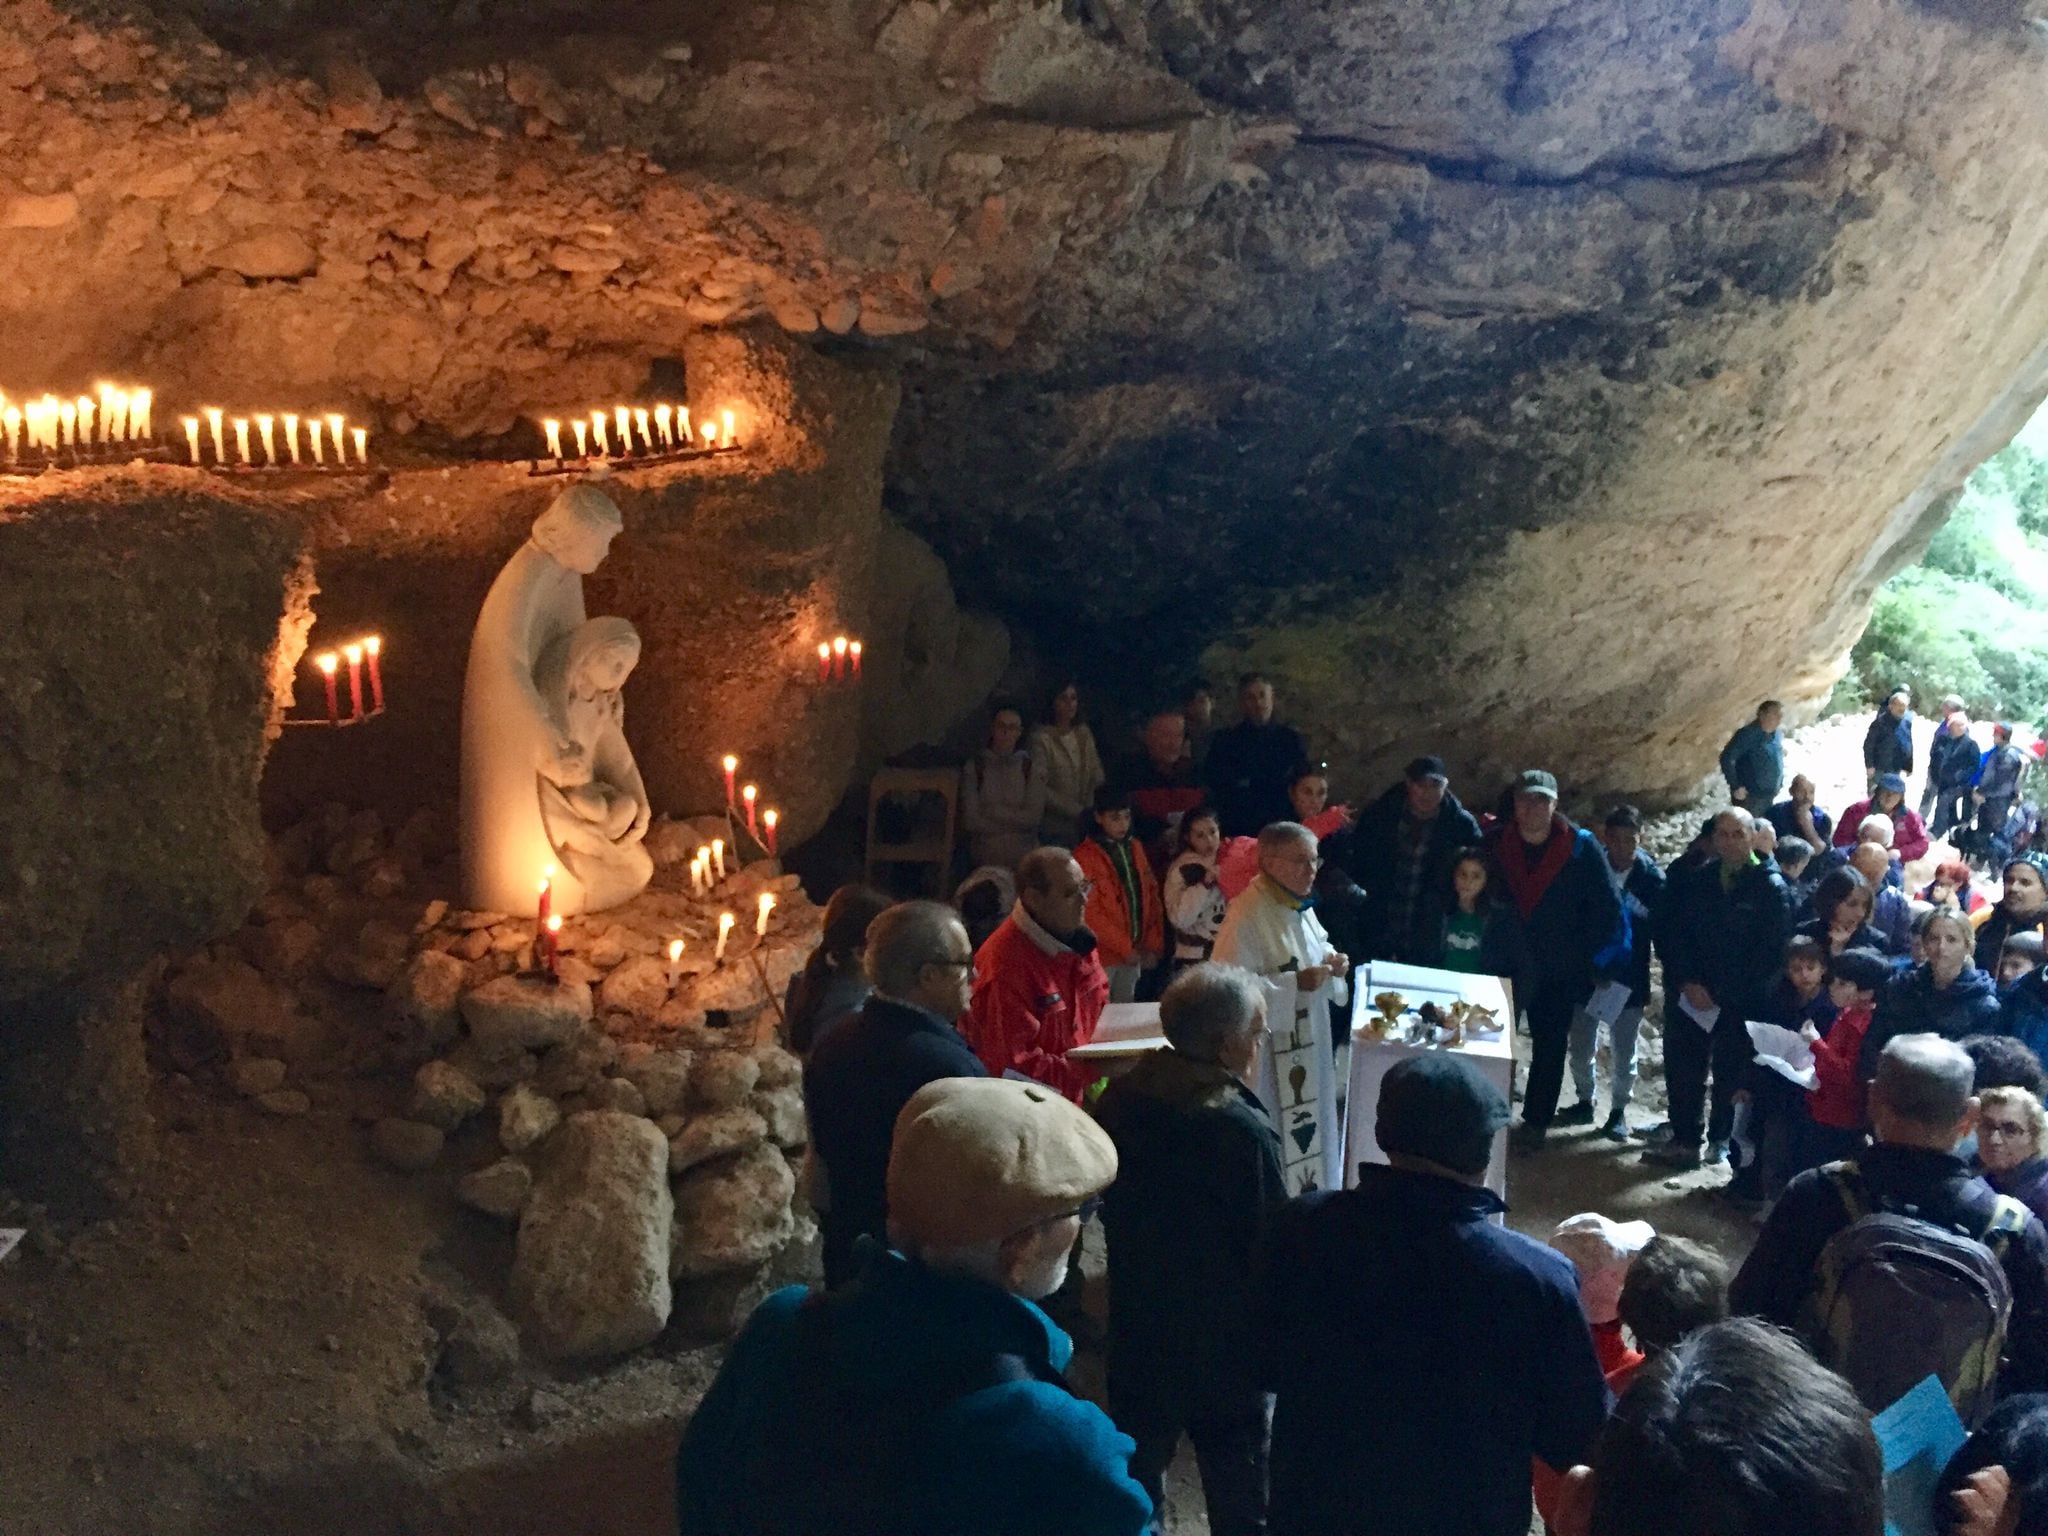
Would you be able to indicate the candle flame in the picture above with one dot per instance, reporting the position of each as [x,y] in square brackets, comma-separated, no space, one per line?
[749,792]
[771,817]
[824,650]
[675,949]
[730,762]
[854,647]
[353,652]
[374,645]
[725,921]
[543,887]
[839,645]
[555,923]
[327,661]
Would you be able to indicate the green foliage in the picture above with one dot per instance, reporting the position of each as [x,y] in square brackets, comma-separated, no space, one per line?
[1972,618]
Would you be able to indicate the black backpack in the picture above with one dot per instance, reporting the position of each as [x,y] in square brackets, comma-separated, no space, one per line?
[1898,1299]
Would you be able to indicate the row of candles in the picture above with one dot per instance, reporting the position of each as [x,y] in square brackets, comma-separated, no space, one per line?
[371,649]
[661,429]
[838,660]
[110,418]
[548,932]
[218,422]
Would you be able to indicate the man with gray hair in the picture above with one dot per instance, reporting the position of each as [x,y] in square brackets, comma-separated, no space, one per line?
[863,1073]
[1199,1183]
[1921,1107]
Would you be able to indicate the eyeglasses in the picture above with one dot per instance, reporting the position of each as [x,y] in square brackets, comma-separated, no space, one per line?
[2000,1129]
[1085,1212]
[950,964]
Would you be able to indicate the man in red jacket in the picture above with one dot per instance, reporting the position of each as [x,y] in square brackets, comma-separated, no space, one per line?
[1039,989]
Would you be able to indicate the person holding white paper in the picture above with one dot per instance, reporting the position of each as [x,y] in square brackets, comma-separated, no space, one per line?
[1725,927]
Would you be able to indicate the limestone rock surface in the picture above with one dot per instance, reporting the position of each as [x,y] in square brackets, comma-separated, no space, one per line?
[732,1214]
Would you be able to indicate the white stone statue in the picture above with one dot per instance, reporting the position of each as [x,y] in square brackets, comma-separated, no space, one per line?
[547,777]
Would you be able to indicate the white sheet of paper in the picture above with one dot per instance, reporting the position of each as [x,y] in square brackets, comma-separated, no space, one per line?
[1785,1051]
[1706,1018]
[1607,1001]
[10,1237]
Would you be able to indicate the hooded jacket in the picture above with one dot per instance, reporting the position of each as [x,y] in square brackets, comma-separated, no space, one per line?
[939,1393]
[1913,1005]
[1198,1184]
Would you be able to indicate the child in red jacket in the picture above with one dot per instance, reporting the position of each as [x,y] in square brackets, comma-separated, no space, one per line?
[1835,1110]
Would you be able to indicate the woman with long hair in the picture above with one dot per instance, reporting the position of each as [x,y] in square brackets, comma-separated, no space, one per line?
[831,986]
[1064,753]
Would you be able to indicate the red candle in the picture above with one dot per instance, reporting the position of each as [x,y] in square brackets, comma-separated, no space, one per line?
[327,661]
[732,766]
[853,651]
[547,899]
[750,794]
[552,952]
[354,653]
[839,656]
[768,820]
[374,648]
[824,661]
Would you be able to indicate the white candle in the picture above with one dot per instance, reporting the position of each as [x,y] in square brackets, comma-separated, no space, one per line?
[242,439]
[291,436]
[582,431]
[362,435]
[725,922]
[697,873]
[600,433]
[113,420]
[675,963]
[761,922]
[710,434]
[214,417]
[334,424]
[67,424]
[684,435]
[661,426]
[266,436]
[554,432]
[192,437]
[11,419]
[313,439]
[718,856]
[138,413]
[640,425]
[726,417]
[624,418]
[85,414]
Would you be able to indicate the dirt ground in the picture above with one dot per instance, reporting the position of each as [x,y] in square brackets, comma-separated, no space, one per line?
[265,1346]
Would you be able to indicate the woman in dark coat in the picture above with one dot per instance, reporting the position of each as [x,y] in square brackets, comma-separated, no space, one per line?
[1945,996]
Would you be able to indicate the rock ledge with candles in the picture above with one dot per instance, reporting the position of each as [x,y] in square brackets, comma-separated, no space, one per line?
[357,991]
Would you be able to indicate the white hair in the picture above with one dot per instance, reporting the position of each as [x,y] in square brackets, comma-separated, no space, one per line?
[1209,1006]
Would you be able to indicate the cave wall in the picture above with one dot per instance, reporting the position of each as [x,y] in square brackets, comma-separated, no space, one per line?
[1480,369]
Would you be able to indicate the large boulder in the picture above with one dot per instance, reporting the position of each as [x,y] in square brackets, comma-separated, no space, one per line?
[590,1277]
[732,1214]
[524,1013]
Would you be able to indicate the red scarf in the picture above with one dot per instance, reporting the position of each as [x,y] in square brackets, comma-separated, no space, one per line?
[1528,883]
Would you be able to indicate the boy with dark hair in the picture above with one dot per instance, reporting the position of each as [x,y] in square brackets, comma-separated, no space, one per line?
[2023,952]
[1833,1112]
[1736,1430]
[1674,1288]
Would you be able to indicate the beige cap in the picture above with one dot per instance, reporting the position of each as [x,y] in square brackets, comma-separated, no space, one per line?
[977,1159]
[1601,1251]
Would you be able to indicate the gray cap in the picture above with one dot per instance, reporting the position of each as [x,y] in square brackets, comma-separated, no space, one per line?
[1536,781]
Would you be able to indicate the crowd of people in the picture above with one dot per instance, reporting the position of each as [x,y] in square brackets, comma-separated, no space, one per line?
[1388,1356]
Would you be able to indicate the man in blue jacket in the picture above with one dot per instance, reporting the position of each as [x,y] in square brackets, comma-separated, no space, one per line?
[1888,743]
[1753,762]
[1420,1354]
[1574,929]
[926,1399]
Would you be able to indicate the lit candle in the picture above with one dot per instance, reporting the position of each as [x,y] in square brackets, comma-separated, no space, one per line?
[291,436]
[354,653]
[313,440]
[266,434]
[718,856]
[214,416]
[697,873]
[113,413]
[750,794]
[661,426]
[85,414]
[640,425]
[11,419]
[373,647]
[582,431]
[761,922]
[242,438]
[624,417]
[334,432]
[853,655]
[768,819]
[138,413]
[725,922]
[824,661]
[362,437]
[192,437]
[554,946]
[554,432]
[710,434]
[326,661]
[731,765]
[839,645]
[675,963]
[726,436]
[600,433]
[546,904]
[67,424]
[683,433]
